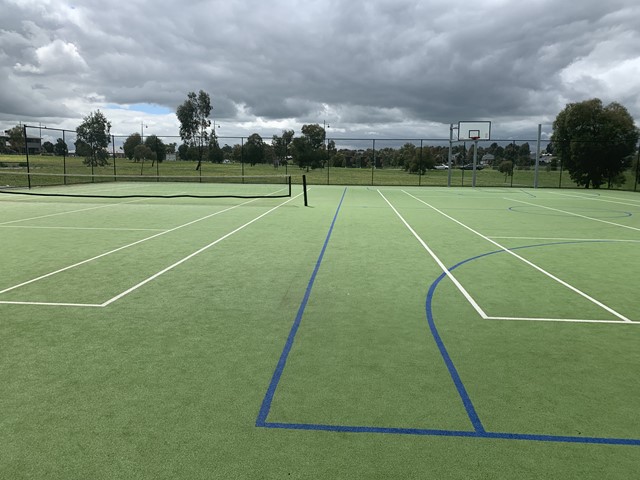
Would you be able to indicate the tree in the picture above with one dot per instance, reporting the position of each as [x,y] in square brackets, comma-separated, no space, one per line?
[280,146]
[254,149]
[130,144]
[157,146]
[308,150]
[216,154]
[506,167]
[406,156]
[83,149]
[60,148]
[16,138]
[594,142]
[143,152]
[95,133]
[48,147]
[193,116]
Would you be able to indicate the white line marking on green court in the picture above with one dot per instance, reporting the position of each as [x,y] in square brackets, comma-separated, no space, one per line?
[83,262]
[556,239]
[531,264]
[597,199]
[438,261]
[188,257]
[67,212]
[53,304]
[569,320]
[575,214]
[88,228]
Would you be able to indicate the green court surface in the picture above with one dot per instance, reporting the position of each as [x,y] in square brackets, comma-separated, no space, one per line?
[380,332]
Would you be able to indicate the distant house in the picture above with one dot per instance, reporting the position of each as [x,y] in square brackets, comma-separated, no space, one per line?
[487,159]
[34,145]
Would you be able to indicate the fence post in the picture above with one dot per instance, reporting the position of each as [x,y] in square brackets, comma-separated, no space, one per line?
[373,161]
[26,151]
[535,175]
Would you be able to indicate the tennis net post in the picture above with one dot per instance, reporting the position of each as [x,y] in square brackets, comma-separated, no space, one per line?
[304,190]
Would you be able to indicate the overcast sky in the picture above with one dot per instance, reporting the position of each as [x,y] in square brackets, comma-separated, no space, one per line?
[388,68]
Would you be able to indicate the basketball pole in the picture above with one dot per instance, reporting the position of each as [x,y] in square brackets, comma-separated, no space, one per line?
[451,127]
[475,161]
[535,176]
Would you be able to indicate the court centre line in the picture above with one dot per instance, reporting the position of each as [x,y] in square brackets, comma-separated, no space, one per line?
[41,277]
[188,257]
[531,264]
[575,214]
[442,266]
[70,211]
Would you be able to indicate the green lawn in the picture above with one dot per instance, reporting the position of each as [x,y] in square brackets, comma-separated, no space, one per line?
[329,176]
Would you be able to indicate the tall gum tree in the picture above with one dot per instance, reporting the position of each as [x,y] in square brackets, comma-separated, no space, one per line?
[594,142]
[193,116]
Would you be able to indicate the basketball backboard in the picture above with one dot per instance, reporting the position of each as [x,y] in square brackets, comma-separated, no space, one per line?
[474,130]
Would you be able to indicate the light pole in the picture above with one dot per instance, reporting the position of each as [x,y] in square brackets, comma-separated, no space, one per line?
[325,125]
[215,135]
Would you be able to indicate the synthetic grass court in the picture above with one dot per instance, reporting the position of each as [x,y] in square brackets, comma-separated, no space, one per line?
[379,333]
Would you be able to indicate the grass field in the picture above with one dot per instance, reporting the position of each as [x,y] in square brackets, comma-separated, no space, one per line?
[10,165]
[378,333]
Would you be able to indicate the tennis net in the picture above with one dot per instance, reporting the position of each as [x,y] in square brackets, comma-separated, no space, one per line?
[145,186]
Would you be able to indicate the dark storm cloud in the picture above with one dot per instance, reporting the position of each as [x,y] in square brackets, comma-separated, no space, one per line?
[391,65]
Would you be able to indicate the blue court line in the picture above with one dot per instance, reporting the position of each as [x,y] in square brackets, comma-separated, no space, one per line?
[478,431]
[453,433]
[268,398]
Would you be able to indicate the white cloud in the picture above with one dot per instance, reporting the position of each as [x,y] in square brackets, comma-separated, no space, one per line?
[55,58]
[400,67]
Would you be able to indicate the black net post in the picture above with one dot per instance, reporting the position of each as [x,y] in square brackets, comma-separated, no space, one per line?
[304,190]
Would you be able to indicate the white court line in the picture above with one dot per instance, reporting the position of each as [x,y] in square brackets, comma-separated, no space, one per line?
[206,247]
[117,297]
[67,212]
[568,320]
[438,261]
[556,239]
[88,228]
[575,214]
[598,199]
[53,304]
[122,248]
[531,264]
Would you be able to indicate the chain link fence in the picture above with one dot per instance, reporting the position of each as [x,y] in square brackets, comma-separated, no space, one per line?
[340,161]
